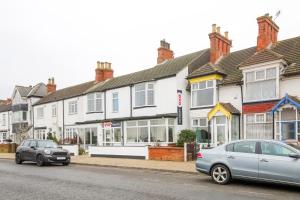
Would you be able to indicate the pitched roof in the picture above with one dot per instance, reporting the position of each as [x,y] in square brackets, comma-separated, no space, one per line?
[24,91]
[66,93]
[263,56]
[208,68]
[37,90]
[165,69]
[5,107]
[230,108]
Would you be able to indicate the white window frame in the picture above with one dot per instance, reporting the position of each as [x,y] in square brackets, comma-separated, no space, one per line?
[255,121]
[73,107]
[261,80]
[54,110]
[146,92]
[206,87]
[94,99]
[40,112]
[3,119]
[115,100]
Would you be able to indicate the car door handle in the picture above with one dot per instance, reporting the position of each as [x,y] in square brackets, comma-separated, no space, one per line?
[264,160]
[230,157]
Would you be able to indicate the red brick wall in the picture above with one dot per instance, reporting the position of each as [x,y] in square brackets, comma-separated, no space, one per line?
[258,107]
[166,153]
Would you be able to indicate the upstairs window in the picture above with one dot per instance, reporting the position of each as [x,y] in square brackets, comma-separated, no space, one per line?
[3,119]
[144,94]
[94,102]
[260,84]
[203,94]
[54,111]
[115,102]
[72,107]
[40,113]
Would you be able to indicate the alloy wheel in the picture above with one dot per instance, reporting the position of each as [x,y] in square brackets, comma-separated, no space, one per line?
[40,161]
[220,174]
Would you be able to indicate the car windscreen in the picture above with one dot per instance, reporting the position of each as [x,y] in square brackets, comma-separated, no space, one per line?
[47,144]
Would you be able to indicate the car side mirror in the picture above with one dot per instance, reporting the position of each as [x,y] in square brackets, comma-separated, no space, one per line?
[32,147]
[294,155]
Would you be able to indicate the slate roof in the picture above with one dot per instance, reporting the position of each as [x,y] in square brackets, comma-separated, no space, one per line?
[24,91]
[165,69]
[230,108]
[36,92]
[5,107]
[208,68]
[66,93]
[263,56]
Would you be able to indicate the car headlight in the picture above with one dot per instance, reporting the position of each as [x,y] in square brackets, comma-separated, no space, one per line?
[47,151]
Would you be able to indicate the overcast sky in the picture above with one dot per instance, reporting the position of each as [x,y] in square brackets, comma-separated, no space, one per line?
[64,39]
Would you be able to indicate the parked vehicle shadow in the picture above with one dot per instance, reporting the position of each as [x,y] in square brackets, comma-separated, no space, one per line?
[46,165]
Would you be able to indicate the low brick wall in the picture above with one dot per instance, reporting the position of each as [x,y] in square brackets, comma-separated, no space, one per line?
[8,148]
[166,153]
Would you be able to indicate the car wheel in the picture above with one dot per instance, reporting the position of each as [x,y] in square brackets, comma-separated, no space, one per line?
[66,163]
[220,174]
[18,159]
[40,160]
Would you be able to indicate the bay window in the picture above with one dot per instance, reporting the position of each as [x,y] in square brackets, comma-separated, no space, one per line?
[203,93]
[144,94]
[94,102]
[154,130]
[259,126]
[260,84]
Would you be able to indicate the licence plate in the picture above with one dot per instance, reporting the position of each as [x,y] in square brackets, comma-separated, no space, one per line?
[61,158]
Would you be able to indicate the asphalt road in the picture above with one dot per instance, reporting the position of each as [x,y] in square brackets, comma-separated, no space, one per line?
[29,182]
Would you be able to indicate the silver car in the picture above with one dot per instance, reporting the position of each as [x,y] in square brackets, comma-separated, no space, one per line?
[262,160]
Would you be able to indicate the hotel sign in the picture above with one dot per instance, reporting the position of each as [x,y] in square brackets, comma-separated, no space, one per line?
[179,107]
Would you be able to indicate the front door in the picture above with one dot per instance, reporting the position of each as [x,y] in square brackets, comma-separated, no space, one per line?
[275,163]
[108,137]
[220,130]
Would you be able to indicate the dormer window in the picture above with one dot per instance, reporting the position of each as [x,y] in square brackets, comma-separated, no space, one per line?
[203,93]
[261,84]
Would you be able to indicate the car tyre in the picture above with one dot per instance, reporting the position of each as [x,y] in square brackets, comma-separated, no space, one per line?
[40,161]
[220,174]
[18,159]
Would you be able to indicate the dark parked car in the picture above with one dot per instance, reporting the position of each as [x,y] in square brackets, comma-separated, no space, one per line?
[42,152]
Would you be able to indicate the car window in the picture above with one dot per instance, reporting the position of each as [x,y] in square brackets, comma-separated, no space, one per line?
[33,143]
[273,149]
[245,147]
[229,147]
[26,143]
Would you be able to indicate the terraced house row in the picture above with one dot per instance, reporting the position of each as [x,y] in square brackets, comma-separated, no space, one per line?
[222,95]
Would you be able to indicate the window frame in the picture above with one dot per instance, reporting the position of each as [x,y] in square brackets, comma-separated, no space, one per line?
[194,89]
[93,99]
[40,113]
[146,92]
[276,144]
[115,100]
[54,110]
[265,78]
[73,107]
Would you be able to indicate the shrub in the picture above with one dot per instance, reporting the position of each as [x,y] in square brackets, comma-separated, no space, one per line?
[186,136]
[81,151]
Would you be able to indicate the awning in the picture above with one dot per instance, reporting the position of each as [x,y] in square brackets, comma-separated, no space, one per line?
[226,108]
[287,100]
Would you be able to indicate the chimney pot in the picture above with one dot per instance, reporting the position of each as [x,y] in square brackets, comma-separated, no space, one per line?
[214,28]
[218,29]
[226,34]
[164,52]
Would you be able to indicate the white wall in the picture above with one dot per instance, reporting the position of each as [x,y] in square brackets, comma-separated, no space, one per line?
[17,99]
[71,119]
[231,94]
[290,86]
[119,151]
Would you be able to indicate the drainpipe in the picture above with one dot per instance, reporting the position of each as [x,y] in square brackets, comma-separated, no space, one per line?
[104,105]
[33,122]
[63,133]
[241,120]
[273,127]
[131,86]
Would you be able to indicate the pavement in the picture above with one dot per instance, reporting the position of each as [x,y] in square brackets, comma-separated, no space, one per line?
[77,182]
[183,167]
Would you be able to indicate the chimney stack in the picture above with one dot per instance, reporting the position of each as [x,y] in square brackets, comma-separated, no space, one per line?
[267,32]
[219,44]
[164,52]
[51,86]
[103,71]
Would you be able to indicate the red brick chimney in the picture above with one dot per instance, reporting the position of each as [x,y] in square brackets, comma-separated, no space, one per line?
[267,32]
[164,52]
[51,86]
[103,71]
[219,44]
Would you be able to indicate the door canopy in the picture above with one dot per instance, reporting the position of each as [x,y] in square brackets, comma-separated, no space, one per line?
[287,100]
[225,108]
